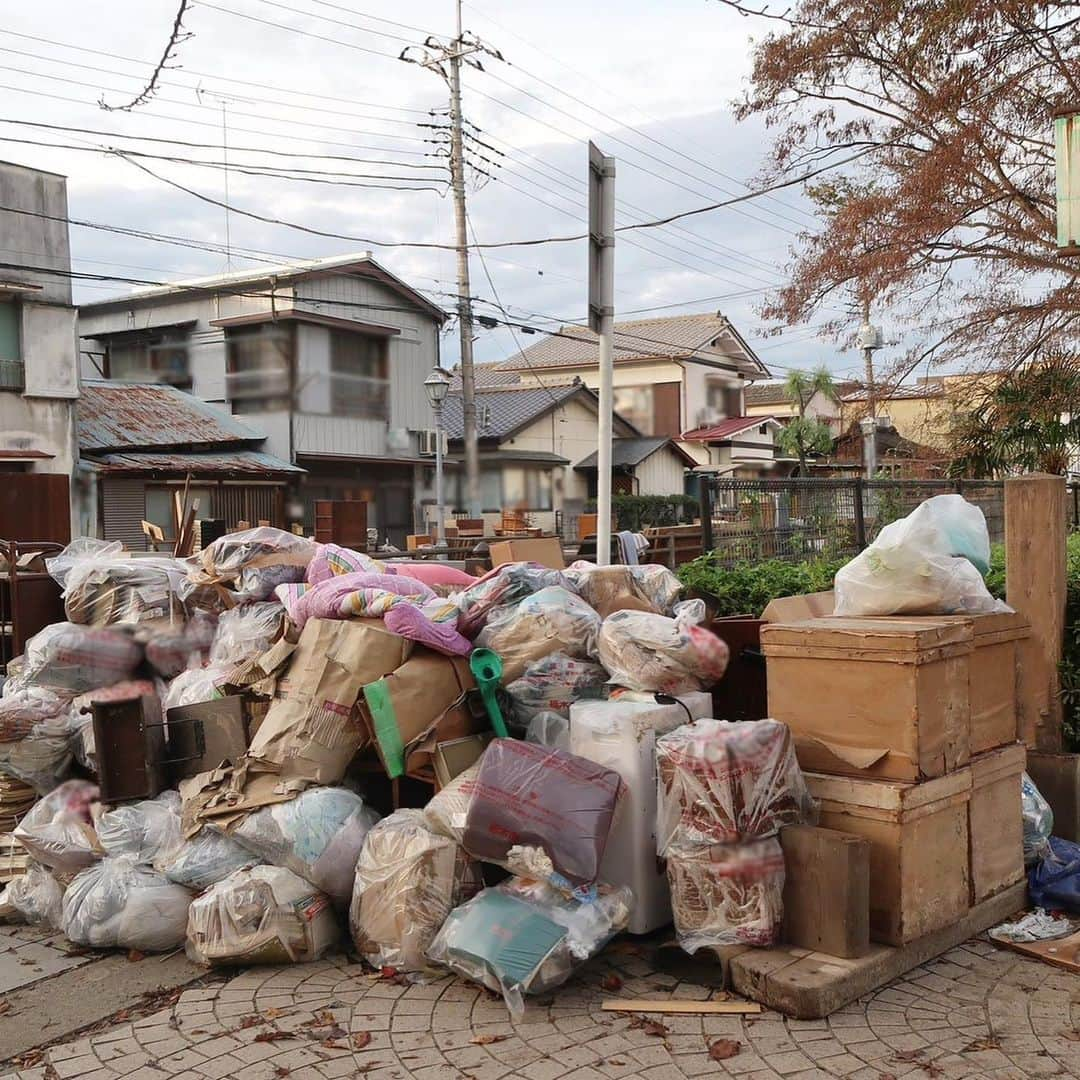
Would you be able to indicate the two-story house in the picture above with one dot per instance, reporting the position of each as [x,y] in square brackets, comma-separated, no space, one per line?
[327,358]
[39,369]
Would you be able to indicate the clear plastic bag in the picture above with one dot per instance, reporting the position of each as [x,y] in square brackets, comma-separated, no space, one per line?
[1038,821]
[35,726]
[553,683]
[171,648]
[549,729]
[525,937]
[551,620]
[927,563]
[204,860]
[318,835]
[649,587]
[245,632]
[241,558]
[38,897]
[407,881]
[721,783]
[58,830]
[541,809]
[194,686]
[265,915]
[144,831]
[727,894]
[119,904]
[642,651]
[71,658]
[503,586]
[448,809]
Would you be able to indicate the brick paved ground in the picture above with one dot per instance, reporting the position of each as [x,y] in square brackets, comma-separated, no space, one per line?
[976,1012]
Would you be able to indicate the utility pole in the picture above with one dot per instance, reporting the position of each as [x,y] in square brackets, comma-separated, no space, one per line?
[602,322]
[870,339]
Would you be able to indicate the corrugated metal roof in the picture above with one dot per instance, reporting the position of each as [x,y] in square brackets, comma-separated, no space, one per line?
[130,416]
[726,429]
[222,461]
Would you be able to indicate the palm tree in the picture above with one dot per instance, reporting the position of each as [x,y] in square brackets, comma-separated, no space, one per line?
[804,435]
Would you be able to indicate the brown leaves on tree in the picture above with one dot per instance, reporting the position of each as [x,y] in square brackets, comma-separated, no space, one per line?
[723,1049]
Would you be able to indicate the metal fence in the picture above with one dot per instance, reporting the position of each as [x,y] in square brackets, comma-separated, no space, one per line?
[751,520]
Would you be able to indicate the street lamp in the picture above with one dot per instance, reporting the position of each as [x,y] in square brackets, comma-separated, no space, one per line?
[437,385]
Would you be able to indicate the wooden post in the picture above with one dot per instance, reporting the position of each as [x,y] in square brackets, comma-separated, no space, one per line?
[1035,574]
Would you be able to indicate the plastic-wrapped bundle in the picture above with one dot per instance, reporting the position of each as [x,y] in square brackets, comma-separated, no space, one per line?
[318,835]
[1038,821]
[119,904]
[723,783]
[553,683]
[351,595]
[1054,881]
[727,894]
[928,563]
[58,831]
[448,809]
[504,585]
[330,560]
[549,729]
[245,632]
[642,651]
[102,584]
[144,830]
[524,937]
[265,915]
[82,722]
[407,881]
[551,620]
[173,646]
[23,709]
[194,686]
[37,896]
[249,559]
[649,587]
[204,860]
[75,659]
[541,810]
[35,736]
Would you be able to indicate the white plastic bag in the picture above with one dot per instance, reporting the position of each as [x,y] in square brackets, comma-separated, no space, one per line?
[204,860]
[37,896]
[35,737]
[119,904]
[1038,821]
[144,831]
[649,587]
[245,632]
[58,830]
[448,809]
[74,659]
[250,560]
[549,729]
[193,687]
[553,683]
[265,915]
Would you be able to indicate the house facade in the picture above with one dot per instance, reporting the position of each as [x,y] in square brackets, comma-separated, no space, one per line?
[327,359]
[921,413]
[771,399]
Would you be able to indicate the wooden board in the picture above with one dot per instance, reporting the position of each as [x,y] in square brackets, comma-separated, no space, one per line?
[746,1008]
[995,821]
[1062,953]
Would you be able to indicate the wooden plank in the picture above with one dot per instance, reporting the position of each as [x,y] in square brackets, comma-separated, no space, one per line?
[1035,574]
[1062,952]
[743,1008]
[891,795]
[995,822]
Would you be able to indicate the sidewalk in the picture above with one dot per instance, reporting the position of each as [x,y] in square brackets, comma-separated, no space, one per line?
[976,1012]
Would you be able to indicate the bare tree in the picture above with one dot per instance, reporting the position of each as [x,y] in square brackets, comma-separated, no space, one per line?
[177,37]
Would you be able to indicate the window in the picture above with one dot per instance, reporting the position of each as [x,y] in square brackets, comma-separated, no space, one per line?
[635,405]
[359,387]
[526,489]
[11,366]
[149,357]
[259,361]
[491,500]
[725,399]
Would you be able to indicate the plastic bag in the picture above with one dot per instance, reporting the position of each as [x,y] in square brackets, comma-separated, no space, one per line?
[722,783]
[407,881]
[649,587]
[1054,881]
[553,684]
[525,937]
[82,723]
[119,904]
[35,725]
[246,632]
[204,860]
[253,551]
[642,651]
[143,831]
[73,658]
[551,620]
[448,809]
[318,835]
[24,709]
[265,915]
[1038,821]
[58,831]
[541,809]
[927,563]
[194,686]
[727,894]
[549,729]
[506,584]
[170,648]
[103,584]
[37,896]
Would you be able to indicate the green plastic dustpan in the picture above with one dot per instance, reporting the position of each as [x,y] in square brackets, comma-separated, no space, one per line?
[487,670]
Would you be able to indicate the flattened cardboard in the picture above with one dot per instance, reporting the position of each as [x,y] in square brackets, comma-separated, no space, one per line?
[545,550]
[451,758]
[796,608]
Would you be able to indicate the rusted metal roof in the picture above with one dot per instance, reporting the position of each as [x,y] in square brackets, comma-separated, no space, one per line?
[247,462]
[142,416]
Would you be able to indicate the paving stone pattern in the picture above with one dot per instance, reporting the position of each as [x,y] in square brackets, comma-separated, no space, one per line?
[976,1012]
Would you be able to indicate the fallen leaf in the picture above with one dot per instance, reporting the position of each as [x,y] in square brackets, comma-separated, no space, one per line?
[615,1061]
[361,1039]
[988,1043]
[723,1049]
[654,1027]
[332,1044]
[282,1071]
[329,1034]
[321,1019]
[274,1014]
[134,956]
[249,1022]
[487,1040]
[30,1059]
[5,1007]
[274,1036]
[612,983]
[886,1076]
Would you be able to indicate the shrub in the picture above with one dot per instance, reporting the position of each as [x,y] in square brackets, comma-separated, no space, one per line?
[637,512]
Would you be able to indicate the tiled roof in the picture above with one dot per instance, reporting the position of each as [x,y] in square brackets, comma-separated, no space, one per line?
[508,409]
[629,453]
[766,393]
[726,429]
[898,393]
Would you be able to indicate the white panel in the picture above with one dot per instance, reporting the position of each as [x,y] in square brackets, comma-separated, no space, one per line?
[313,368]
[50,352]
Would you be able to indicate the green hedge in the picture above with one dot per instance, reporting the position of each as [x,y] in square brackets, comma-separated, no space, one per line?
[637,512]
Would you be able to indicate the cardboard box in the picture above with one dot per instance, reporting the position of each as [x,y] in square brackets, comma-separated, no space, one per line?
[884,698]
[918,833]
[787,609]
[545,550]
[995,821]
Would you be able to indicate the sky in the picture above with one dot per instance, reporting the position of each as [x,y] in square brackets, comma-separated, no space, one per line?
[318,86]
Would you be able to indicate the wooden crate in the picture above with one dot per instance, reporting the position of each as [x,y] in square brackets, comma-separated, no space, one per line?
[884,698]
[995,823]
[918,833]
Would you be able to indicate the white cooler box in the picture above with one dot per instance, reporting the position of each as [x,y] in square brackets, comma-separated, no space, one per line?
[622,736]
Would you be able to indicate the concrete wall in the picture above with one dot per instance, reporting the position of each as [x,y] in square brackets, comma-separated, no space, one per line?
[35,241]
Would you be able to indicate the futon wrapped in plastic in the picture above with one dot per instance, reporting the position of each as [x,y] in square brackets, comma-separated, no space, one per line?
[58,830]
[407,881]
[525,937]
[505,585]
[252,562]
[245,632]
[35,737]
[318,835]
[724,783]
[265,915]
[649,587]
[727,894]
[551,620]
[38,897]
[66,657]
[119,904]
[553,683]
[642,651]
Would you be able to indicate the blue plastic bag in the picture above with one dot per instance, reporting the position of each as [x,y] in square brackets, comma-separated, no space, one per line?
[1054,882]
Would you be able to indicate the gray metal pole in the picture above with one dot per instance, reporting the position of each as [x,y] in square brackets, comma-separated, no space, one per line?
[440,509]
[606,297]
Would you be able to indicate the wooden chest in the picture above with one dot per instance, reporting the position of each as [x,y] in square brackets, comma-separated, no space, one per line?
[994,821]
[883,698]
[918,833]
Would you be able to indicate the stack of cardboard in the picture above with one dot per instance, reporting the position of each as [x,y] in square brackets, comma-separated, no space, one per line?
[907,728]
